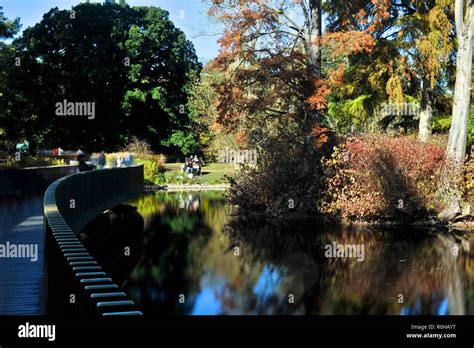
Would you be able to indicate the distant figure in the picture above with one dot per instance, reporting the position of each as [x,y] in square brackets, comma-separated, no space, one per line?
[196,168]
[60,151]
[188,167]
[23,147]
[101,160]
[83,166]
[119,162]
[128,160]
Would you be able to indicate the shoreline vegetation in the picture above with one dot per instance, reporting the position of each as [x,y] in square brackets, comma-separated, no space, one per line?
[467,226]
[187,187]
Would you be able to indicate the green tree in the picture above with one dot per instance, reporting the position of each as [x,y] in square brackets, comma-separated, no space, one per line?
[132,62]
[202,105]
[163,67]
[8,29]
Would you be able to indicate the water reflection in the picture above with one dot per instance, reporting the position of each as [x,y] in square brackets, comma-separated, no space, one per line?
[198,258]
[115,239]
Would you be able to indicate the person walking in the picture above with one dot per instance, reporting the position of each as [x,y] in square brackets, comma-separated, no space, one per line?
[102,160]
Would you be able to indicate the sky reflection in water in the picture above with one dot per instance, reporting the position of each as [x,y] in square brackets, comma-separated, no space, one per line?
[189,249]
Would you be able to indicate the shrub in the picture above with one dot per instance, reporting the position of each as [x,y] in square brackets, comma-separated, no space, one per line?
[442,124]
[469,178]
[152,170]
[152,165]
[285,181]
[32,161]
[382,178]
[138,147]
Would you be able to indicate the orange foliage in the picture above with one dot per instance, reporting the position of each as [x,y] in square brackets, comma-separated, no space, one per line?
[318,101]
[264,74]
[216,126]
[240,139]
[320,135]
[349,42]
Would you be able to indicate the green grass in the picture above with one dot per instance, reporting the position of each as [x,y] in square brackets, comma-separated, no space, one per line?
[212,174]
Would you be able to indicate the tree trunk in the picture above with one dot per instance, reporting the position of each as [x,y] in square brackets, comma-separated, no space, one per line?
[458,133]
[426,115]
[449,186]
[313,44]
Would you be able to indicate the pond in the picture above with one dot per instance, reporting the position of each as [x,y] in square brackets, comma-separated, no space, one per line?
[194,256]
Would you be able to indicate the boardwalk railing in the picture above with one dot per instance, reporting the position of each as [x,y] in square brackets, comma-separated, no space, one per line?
[76,284]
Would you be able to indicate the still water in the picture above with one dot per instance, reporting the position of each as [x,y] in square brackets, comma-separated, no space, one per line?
[196,257]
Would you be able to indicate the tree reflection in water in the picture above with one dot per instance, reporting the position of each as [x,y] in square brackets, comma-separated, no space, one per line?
[191,242]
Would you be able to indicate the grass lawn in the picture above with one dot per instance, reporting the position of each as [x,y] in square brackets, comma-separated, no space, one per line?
[212,173]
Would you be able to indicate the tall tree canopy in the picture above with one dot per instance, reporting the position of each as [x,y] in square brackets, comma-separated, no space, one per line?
[274,49]
[8,29]
[132,62]
[411,62]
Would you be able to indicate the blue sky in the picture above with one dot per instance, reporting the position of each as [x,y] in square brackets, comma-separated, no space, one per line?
[188,15]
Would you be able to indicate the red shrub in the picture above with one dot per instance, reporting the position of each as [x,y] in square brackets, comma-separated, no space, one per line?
[380,177]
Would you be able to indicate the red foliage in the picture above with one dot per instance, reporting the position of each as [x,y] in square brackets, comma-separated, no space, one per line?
[380,177]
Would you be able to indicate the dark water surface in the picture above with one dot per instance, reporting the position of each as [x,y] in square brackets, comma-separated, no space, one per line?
[195,257]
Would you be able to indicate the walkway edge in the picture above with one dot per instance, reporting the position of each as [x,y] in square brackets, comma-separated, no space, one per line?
[69,204]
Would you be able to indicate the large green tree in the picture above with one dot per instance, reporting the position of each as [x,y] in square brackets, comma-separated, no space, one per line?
[8,29]
[132,62]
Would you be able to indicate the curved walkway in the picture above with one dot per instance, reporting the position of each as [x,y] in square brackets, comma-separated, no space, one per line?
[22,279]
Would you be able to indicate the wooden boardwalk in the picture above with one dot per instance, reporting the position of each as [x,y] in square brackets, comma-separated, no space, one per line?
[21,280]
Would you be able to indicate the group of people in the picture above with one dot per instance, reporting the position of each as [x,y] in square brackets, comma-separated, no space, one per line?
[99,161]
[192,166]
[120,162]
[126,161]
[57,152]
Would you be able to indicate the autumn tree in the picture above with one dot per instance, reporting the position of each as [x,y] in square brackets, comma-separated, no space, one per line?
[425,35]
[276,91]
[369,79]
[273,49]
[202,106]
[410,61]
